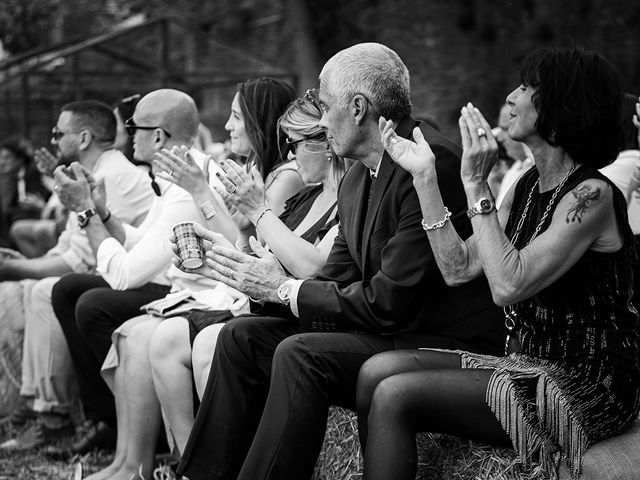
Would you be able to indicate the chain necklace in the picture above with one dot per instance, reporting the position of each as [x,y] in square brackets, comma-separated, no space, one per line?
[510,315]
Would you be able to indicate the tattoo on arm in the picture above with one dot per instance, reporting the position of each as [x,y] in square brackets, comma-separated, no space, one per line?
[584,195]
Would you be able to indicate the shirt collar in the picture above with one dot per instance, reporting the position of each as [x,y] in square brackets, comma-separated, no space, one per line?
[374,173]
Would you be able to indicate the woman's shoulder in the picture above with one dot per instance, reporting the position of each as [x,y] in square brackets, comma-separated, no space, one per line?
[287,169]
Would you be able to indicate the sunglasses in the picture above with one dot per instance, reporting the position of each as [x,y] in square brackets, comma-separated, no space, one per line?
[317,143]
[311,96]
[131,127]
[57,134]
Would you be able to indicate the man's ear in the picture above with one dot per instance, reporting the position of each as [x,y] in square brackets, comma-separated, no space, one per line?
[360,108]
[85,139]
[159,139]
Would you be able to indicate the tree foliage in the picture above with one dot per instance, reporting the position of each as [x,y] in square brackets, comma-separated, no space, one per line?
[26,24]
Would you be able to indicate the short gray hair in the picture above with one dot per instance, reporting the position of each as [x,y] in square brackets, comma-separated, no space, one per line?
[373,70]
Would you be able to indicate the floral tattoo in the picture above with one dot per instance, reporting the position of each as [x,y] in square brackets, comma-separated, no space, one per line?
[584,196]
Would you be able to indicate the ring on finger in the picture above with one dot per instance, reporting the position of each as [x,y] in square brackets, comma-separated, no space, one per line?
[481,132]
[171,173]
[233,190]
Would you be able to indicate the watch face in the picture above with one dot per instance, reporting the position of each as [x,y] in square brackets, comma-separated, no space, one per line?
[485,204]
[284,291]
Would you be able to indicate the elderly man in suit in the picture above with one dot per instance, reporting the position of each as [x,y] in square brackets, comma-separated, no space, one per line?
[274,376]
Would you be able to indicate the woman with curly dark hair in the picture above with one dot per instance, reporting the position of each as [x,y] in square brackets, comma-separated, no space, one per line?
[559,257]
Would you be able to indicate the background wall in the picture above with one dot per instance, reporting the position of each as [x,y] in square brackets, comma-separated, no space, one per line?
[456,50]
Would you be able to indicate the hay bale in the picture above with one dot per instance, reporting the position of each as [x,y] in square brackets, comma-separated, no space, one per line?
[11,334]
[440,457]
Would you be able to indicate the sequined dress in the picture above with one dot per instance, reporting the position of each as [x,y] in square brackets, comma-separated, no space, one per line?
[576,380]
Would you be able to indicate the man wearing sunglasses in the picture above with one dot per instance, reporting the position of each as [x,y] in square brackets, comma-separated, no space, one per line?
[84,133]
[133,263]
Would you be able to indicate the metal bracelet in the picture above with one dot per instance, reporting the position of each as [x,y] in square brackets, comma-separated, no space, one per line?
[261,215]
[438,224]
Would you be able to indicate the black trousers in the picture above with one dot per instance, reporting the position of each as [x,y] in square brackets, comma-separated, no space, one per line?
[89,311]
[264,410]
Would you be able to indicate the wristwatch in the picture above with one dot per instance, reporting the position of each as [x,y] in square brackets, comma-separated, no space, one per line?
[284,292]
[481,207]
[84,216]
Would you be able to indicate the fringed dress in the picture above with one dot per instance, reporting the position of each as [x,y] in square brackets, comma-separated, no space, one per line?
[576,379]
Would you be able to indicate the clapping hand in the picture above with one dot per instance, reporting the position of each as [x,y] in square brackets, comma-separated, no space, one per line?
[414,156]
[635,176]
[178,167]
[46,162]
[73,188]
[479,146]
[258,277]
[243,190]
[209,239]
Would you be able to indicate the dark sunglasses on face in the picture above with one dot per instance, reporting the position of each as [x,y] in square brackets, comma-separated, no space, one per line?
[317,143]
[131,127]
[57,134]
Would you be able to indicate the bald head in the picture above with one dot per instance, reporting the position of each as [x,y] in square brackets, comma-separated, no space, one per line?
[172,110]
[373,70]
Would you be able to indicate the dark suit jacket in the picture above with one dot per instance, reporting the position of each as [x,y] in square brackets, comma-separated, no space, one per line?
[381,275]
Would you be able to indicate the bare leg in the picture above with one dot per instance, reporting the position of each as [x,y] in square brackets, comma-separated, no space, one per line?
[438,396]
[144,418]
[170,355]
[122,417]
[202,355]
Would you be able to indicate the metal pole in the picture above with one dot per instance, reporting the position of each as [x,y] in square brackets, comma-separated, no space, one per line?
[26,130]
[164,41]
[77,89]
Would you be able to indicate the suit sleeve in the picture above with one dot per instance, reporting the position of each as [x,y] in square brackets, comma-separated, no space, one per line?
[408,277]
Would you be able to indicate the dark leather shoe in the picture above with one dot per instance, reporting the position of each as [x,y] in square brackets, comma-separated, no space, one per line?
[22,414]
[93,435]
[97,435]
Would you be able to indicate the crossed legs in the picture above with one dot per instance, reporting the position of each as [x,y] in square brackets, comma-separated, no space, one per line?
[404,392]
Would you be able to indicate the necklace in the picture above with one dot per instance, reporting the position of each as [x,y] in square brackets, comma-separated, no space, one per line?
[510,315]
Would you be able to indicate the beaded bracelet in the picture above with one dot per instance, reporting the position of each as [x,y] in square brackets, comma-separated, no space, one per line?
[438,224]
[207,210]
[261,215]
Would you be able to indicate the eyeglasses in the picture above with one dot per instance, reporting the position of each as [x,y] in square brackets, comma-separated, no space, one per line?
[57,134]
[131,127]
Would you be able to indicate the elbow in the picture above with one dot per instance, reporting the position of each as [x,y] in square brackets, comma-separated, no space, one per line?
[503,295]
[453,280]
[456,277]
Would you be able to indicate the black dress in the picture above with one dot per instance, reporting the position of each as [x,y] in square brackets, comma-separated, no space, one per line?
[576,380]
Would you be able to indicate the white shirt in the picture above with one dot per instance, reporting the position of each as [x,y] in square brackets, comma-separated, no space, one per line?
[146,254]
[620,172]
[129,196]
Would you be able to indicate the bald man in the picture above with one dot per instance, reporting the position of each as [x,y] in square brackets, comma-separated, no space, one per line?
[133,263]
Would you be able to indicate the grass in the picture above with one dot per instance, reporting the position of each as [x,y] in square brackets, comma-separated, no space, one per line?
[440,457]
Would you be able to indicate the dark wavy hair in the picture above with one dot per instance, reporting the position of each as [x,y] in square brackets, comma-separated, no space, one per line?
[578,96]
[262,102]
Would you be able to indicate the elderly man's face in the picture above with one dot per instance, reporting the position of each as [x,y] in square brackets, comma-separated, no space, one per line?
[337,123]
